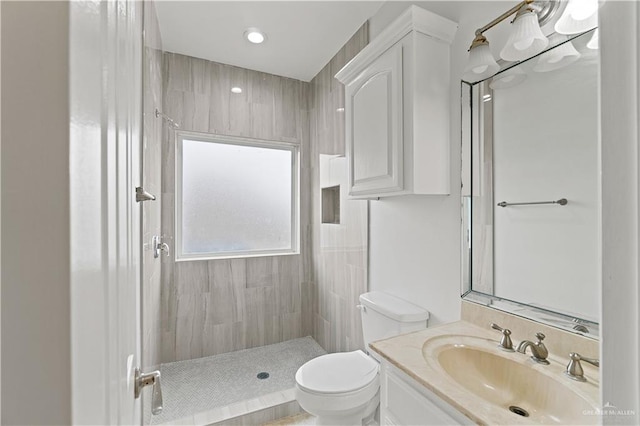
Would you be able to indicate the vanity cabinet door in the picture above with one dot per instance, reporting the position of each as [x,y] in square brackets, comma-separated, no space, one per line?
[405,402]
[374,126]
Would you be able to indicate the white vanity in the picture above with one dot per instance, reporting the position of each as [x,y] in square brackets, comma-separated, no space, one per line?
[457,374]
[404,401]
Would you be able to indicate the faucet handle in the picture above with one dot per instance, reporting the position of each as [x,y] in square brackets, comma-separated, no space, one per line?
[540,336]
[574,368]
[505,343]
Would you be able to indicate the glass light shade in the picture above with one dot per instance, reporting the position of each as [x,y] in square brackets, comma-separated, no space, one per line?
[558,57]
[594,43]
[509,78]
[579,16]
[526,38]
[481,64]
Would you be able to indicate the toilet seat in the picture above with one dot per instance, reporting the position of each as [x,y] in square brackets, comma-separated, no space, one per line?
[337,373]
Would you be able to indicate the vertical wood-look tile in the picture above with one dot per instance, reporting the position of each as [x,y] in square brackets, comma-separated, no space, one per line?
[261,271]
[262,120]
[200,84]
[216,306]
[340,252]
[306,290]
[219,77]
[217,339]
[239,106]
[189,326]
[191,277]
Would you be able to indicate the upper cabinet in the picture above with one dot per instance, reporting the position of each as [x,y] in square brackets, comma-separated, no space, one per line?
[397,109]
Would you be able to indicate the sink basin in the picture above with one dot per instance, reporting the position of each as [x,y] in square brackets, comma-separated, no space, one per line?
[510,381]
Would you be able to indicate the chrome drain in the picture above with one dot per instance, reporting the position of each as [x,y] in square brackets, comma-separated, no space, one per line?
[519,411]
[263,375]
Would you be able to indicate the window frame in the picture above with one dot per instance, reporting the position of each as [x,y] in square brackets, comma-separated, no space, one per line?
[293,147]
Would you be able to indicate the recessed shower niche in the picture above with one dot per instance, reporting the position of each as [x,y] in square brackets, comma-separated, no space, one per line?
[331,205]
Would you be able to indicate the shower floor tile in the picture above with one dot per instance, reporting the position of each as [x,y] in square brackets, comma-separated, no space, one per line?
[201,385]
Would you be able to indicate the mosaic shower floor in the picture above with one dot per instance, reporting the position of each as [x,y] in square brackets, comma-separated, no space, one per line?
[202,388]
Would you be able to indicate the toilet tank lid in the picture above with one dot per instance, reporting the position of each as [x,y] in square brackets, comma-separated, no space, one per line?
[393,307]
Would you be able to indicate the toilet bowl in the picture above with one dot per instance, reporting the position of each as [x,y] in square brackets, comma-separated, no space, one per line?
[340,388]
[344,388]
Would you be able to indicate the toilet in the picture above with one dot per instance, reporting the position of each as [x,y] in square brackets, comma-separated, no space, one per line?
[344,388]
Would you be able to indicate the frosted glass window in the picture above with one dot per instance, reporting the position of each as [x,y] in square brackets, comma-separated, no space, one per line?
[236,197]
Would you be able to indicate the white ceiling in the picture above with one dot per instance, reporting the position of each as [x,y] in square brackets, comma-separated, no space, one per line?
[302,36]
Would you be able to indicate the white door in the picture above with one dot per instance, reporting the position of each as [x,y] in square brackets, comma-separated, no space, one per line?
[105,137]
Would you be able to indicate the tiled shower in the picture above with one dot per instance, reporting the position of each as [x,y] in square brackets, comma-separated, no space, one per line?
[202,308]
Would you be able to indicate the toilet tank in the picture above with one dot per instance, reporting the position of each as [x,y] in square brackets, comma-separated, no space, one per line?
[384,316]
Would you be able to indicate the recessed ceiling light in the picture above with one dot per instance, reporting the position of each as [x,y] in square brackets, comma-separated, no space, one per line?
[236,90]
[254,35]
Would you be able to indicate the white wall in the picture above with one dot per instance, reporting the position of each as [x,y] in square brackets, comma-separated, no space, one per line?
[0,217]
[620,137]
[415,240]
[36,359]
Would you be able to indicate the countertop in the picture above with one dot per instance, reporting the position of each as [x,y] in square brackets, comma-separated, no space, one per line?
[406,353]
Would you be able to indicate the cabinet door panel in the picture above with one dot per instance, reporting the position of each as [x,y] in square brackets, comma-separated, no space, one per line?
[407,406]
[374,126]
[371,126]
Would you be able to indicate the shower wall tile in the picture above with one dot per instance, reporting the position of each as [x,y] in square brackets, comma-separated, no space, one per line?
[291,325]
[262,272]
[191,277]
[339,251]
[218,338]
[152,182]
[216,306]
[227,273]
[306,320]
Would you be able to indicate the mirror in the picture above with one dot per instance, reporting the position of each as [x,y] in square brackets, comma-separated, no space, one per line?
[530,187]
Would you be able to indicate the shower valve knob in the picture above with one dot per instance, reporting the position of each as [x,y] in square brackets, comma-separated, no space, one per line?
[159,247]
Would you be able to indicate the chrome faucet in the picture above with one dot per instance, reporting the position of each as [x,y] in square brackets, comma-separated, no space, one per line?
[539,352]
[574,368]
[505,343]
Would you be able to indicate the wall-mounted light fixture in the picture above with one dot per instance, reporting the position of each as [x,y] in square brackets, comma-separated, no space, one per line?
[579,16]
[526,38]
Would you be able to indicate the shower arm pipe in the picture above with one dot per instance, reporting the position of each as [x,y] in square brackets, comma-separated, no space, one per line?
[171,121]
[504,16]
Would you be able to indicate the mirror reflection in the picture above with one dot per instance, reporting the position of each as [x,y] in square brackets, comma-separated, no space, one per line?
[530,185]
